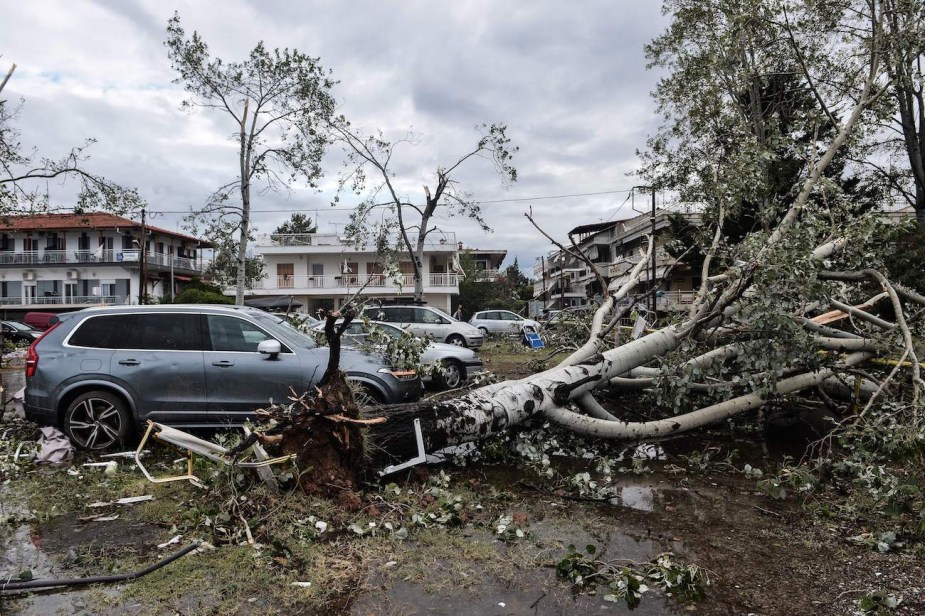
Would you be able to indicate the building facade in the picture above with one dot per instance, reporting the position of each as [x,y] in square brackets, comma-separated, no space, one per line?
[69,261]
[563,281]
[321,271]
[487,261]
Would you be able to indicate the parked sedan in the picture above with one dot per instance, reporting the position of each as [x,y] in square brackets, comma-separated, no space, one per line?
[502,322]
[456,363]
[428,321]
[19,332]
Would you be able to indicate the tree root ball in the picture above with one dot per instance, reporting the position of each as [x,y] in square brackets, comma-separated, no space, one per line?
[329,452]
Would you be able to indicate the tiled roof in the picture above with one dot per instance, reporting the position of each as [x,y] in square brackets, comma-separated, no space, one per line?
[90,220]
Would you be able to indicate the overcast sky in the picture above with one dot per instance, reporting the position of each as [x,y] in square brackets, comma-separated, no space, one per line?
[568,79]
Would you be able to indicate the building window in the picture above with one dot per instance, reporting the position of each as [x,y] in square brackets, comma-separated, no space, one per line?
[376,274]
[285,274]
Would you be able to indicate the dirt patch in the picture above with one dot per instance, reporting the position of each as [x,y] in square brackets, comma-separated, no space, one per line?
[126,537]
[509,359]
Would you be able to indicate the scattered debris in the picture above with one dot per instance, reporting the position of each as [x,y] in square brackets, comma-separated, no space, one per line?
[54,448]
[104,579]
[108,467]
[126,454]
[192,444]
[172,541]
[106,518]
[128,500]
[16,400]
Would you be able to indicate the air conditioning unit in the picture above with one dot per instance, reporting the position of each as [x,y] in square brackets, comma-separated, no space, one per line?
[28,275]
[73,274]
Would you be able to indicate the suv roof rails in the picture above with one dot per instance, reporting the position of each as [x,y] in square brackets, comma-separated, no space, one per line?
[397,301]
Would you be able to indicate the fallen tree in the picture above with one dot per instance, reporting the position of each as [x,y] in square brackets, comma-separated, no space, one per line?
[792,308]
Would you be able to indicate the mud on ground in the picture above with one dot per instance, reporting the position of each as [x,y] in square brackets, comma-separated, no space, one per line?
[427,541]
[763,556]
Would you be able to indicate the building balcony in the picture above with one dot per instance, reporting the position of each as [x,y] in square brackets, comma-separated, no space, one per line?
[129,258]
[352,282]
[321,243]
[664,300]
[59,301]
[486,275]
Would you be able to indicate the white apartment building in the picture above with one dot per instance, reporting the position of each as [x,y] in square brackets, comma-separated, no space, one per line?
[562,281]
[68,261]
[321,270]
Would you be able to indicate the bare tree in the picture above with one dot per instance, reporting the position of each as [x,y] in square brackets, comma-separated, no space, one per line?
[279,103]
[413,221]
[905,51]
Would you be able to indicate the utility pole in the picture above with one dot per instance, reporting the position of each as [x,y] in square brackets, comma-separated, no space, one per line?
[142,293]
[173,286]
[545,273]
[653,298]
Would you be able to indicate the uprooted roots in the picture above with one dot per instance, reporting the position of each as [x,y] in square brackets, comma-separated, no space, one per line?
[327,443]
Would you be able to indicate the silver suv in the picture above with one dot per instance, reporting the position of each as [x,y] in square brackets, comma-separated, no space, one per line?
[502,322]
[426,320]
[100,373]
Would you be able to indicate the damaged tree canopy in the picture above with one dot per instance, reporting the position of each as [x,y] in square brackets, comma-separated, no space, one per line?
[800,305]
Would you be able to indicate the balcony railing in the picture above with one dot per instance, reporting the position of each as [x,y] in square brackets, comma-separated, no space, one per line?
[443,240]
[51,257]
[486,275]
[59,300]
[665,299]
[352,281]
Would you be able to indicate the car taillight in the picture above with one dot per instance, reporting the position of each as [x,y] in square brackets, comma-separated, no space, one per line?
[32,356]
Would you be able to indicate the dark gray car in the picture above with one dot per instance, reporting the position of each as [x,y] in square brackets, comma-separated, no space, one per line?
[102,372]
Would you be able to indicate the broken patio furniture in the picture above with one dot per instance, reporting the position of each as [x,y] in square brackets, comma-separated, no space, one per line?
[183,440]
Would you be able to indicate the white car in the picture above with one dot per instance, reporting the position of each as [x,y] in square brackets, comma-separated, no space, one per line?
[427,320]
[502,322]
[456,363]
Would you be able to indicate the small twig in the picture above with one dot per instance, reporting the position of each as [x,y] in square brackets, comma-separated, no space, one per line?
[849,592]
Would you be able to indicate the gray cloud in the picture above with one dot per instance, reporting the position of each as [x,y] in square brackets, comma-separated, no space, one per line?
[568,79]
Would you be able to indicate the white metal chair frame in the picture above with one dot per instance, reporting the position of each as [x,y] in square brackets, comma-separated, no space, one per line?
[192,444]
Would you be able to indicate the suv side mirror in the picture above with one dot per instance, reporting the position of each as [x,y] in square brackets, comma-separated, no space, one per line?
[269,347]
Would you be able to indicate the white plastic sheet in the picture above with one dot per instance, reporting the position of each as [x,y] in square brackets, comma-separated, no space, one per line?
[54,448]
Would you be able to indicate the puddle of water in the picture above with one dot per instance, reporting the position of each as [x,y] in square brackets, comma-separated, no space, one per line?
[641,498]
[44,553]
[530,594]
[19,554]
[531,590]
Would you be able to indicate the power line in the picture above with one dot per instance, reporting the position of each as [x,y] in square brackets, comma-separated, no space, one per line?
[592,194]
[350,209]
[517,200]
